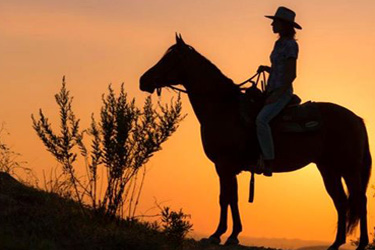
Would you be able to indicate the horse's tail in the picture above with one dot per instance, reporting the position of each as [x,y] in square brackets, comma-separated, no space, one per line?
[357,195]
[367,162]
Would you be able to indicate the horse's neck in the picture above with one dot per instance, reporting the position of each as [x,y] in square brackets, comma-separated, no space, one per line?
[212,103]
[210,92]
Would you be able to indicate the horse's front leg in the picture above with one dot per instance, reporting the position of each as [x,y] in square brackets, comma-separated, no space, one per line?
[233,202]
[224,203]
[228,196]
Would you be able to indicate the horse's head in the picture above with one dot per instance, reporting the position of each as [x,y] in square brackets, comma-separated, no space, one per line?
[168,71]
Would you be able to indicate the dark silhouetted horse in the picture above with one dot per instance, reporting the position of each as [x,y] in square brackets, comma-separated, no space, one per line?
[339,148]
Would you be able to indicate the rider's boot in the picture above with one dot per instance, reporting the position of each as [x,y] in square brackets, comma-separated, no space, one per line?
[264,166]
[267,168]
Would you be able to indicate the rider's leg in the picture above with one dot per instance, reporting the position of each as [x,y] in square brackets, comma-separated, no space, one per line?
[264,133]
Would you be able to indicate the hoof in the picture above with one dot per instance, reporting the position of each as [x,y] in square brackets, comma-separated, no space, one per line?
[332,248]
[232,242]
[336,245]
[361,246]
[212,240]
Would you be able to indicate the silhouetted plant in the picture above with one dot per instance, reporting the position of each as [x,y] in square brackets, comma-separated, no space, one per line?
[62,145]
[175,225]
[10,163]
[124,139]
[57,183]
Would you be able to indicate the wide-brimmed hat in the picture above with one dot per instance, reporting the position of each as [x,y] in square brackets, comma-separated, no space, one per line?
[287,15]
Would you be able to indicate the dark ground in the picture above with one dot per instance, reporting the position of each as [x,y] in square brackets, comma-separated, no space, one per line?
[34,219]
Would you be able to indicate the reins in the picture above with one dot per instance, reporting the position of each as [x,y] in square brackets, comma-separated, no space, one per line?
[254,83]
[257,75]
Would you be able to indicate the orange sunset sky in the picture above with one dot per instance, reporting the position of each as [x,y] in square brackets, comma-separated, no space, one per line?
[94,43]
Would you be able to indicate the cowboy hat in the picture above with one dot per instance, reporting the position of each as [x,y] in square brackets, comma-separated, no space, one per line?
[285,14]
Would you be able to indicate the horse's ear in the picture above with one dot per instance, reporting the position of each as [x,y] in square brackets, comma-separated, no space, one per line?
[182,41]
[179,40]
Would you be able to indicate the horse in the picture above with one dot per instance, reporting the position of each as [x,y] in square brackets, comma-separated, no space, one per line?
[339,149]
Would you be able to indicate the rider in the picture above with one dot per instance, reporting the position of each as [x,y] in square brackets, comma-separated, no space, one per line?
[279,89]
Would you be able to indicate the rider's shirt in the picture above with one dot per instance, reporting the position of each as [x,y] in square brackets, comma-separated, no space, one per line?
[282,51]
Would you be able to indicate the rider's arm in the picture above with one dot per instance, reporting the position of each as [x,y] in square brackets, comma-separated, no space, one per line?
[289,76]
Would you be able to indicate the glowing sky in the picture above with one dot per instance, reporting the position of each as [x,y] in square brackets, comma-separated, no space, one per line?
[95,43]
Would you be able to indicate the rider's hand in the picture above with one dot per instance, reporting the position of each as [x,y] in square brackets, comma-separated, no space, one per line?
[262,68]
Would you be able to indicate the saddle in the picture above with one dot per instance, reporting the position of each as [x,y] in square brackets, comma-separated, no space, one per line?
[297,117]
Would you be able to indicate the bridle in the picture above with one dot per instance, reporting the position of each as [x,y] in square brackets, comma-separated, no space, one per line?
[158,89]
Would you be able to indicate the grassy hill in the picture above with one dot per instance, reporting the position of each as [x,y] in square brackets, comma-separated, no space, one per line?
[34,219]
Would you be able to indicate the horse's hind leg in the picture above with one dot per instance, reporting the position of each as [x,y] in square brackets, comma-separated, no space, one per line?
[358,206]
[335,189]
[363,240]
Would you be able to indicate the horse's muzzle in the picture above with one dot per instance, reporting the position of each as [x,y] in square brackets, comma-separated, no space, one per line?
[146,85]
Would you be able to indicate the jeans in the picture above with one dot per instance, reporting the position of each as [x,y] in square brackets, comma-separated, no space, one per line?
[267,113]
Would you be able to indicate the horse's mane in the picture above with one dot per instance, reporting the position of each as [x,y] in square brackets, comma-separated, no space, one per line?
[210,67]
[213,69]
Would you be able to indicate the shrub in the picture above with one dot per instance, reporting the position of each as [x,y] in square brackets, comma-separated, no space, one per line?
[10,163]
[175,225]
[123,141]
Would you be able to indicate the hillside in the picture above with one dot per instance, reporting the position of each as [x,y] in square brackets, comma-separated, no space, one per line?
[34,219]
